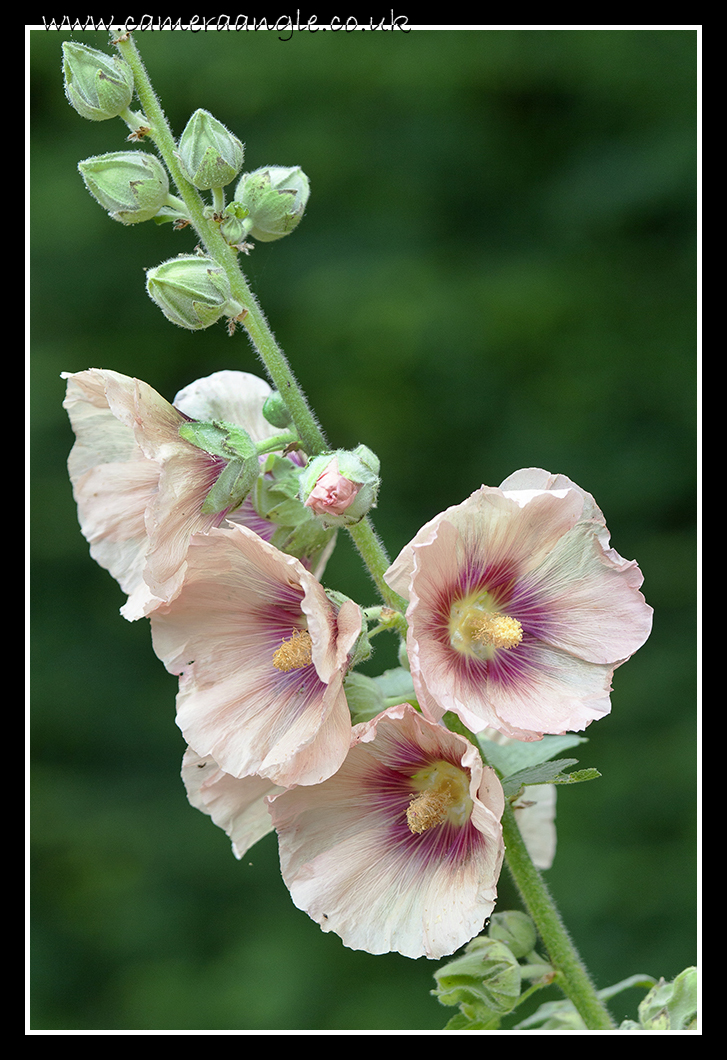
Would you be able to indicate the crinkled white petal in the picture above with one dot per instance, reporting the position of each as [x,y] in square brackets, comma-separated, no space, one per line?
[238,806]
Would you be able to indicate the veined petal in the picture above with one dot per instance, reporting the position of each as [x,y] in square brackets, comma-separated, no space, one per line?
[238,807]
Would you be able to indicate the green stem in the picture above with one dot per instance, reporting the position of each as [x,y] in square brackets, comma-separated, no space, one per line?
[373,554]
[570,972]
[254,322]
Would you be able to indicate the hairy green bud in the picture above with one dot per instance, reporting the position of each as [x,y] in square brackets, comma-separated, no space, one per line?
[272,201]
[97,85]
[191,291]
[210,155]
[131,185]
[276,411]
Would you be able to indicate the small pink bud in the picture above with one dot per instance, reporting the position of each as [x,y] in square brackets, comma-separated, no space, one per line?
[333,493]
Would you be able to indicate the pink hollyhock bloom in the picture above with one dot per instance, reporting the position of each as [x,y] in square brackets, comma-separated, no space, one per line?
[333,493]
[262,654]
[139,487]
[402,848]
[519,612]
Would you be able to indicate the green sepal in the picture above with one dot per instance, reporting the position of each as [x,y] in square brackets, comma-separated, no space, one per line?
[219,439]
[484,982]
[232,486]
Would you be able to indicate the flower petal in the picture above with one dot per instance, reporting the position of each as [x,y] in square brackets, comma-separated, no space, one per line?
[238,807]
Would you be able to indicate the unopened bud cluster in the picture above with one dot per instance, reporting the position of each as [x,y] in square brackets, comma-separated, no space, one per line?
[133,186]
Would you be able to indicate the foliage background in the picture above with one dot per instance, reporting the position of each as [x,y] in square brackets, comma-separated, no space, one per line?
[497,270]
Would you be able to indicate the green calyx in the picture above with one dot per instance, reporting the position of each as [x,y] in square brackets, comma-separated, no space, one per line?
[131,185]
[193,292]
[271,201]
[98,86]
[210,155]
[239,474]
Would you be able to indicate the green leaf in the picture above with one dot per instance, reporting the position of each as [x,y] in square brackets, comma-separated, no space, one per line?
[219,439]
[547,773]
[396,686]
[510,757]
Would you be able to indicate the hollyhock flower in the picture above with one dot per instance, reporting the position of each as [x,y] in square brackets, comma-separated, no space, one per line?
[402,848]
[519,612]
[262,654]
[140,487]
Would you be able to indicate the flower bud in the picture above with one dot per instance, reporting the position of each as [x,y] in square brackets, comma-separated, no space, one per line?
[276,411]
[341,487]
[191,291]
[515,929]
[210,155]
[274,199]
[132,185]
[485,981]
[97,85]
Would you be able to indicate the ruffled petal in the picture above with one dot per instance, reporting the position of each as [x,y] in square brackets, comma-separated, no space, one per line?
[238,807]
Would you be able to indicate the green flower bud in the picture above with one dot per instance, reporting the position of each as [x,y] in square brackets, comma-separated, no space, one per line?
[486,979]
[515,929]
[191,291]
[342,486]
[97,85]
[276,411]
[671,1006]
[272,200]
[132,185]
[210,155]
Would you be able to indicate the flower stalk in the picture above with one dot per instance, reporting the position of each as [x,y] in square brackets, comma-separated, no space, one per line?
[253,319]
[570,972]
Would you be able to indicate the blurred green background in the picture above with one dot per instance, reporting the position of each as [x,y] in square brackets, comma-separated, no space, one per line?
[497,269]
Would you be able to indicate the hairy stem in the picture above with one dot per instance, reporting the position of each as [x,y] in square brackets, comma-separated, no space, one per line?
[254,322]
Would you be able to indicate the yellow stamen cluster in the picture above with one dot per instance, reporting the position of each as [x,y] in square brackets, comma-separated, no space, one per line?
[295,652]
[501,631]
[477,629]
[442,795]
[426,810]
